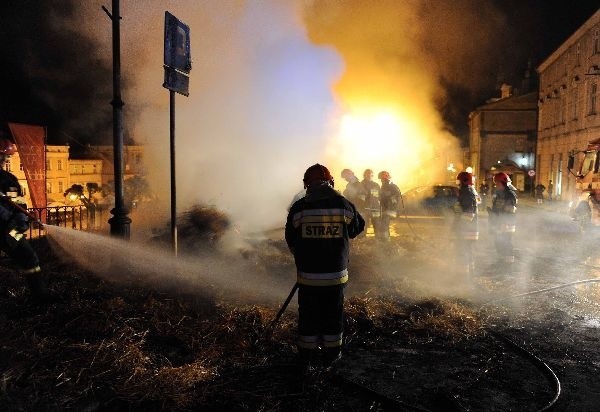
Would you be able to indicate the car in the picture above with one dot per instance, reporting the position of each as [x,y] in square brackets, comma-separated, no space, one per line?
[433,200]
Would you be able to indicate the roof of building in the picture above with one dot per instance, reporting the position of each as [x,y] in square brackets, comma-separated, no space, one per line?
[527,101]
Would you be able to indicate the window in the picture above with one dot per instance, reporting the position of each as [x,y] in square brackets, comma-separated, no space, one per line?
[7,165]
[592,98]
[48,164]
[21,166]
[24,188]
[575,102]
[48,187]
[60,186]
[59,164]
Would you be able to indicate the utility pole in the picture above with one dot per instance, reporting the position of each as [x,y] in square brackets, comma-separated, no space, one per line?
[120,222]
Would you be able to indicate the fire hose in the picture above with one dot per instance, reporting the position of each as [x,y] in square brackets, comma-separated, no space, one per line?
[271,326]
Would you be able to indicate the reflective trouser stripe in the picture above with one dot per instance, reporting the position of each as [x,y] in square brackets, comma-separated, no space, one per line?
[323,279]
[312,341]
[308,342]
[332,341]
[471,235]
[509,228]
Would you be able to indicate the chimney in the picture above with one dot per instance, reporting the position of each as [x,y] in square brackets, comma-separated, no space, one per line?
[505,91]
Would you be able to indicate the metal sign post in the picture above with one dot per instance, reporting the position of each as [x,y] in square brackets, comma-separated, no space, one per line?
[177,65]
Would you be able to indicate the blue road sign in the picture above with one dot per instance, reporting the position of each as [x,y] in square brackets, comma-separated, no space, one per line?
[177,44]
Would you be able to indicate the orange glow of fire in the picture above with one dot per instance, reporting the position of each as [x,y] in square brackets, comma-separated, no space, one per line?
[380,139]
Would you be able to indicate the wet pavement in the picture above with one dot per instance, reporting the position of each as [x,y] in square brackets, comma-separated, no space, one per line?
[548,301]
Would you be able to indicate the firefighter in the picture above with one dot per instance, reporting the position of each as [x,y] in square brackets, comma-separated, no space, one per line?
[13,225]
[465,222]
[390,203]
[372,212]
[503,215]
[539,193]
[318,232]
[355,192]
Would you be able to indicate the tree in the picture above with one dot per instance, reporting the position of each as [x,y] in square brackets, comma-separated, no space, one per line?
[135,189]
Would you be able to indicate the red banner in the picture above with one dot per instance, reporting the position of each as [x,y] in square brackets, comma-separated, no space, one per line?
[30,141]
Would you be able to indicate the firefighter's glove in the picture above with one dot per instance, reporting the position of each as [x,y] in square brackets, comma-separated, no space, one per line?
[15,235]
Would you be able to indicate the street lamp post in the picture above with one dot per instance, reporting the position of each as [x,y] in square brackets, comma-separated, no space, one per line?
[120,222]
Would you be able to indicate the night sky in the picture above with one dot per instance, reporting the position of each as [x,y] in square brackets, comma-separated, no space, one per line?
[53,76]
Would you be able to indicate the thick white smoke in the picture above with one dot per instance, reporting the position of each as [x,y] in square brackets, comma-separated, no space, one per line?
[259,101]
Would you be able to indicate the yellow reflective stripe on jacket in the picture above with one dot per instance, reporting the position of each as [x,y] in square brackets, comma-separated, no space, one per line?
[322,215]
[323,279]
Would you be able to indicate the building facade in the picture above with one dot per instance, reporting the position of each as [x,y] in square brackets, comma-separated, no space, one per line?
[569,105]
[62,171]
[502,137]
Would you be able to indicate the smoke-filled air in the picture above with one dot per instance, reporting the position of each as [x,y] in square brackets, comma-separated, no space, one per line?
[278,85]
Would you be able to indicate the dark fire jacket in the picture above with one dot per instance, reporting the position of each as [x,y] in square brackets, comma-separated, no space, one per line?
[318,232]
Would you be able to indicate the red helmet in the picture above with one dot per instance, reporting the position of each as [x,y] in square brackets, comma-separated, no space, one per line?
[384,175]
[7,147]
[465,178]
[317,173]
[502,178]
[347,174]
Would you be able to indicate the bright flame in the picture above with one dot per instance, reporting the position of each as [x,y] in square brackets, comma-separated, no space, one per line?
[370,135]
[380,139]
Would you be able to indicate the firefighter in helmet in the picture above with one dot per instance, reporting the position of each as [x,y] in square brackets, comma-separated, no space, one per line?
[355,191]
[465,222]
[318,232]
[372,212]
[390,203]
[503,215]
[13,225]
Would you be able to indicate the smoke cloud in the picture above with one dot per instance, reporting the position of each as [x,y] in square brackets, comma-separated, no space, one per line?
[272,83]
[274,87]
[52,74]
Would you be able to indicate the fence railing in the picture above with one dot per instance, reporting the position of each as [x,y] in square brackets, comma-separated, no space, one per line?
[74,217]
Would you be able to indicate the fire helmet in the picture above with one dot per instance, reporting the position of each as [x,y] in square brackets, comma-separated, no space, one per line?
[368,174]
[317,173]
[347,174]
[465,178]
[502,178]
[7,147]
[384,175]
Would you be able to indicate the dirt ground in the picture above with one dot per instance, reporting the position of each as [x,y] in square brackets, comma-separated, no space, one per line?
[419,334]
